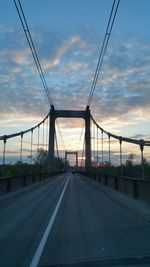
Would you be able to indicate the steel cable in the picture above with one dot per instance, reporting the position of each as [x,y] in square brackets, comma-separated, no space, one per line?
[32,47]
[104,47]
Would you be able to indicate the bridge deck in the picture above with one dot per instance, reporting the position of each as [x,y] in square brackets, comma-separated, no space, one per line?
[90,228]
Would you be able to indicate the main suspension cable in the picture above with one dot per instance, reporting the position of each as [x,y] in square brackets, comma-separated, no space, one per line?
[104,47]
[32,47]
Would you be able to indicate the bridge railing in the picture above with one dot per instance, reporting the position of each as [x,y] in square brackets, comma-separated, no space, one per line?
[13,183]
[133,187]
[108,147]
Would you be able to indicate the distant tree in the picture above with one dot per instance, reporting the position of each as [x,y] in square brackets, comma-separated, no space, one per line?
[41,160]
[59,164]
[130,160]
[146,163]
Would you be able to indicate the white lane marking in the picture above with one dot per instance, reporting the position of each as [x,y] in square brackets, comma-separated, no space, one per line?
[39,251]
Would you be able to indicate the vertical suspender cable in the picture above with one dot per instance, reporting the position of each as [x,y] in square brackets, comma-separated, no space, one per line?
[31,146]
[93,145]
[121,166]
[56,142]
[83,153]
[47,135]
[109,153]
[43,135]
[38,137]
[97,146]
[102,147]
[20,165]
[142,157]
[4,150]
[21,147]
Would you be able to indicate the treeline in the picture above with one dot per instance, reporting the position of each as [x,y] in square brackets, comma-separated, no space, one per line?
[39,164]
[129,169]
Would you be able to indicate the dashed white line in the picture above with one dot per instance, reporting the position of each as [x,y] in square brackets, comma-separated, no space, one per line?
[39,251]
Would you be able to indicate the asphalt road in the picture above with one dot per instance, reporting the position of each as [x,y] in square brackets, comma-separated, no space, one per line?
[84,227]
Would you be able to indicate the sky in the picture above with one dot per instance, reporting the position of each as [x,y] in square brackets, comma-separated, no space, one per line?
[68,35]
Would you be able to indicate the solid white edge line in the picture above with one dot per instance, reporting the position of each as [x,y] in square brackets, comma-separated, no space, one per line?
[39,251]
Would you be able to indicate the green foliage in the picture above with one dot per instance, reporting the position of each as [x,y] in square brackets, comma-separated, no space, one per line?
[129,169]
[130,160]
[17,169]
[41,161]
[40,164]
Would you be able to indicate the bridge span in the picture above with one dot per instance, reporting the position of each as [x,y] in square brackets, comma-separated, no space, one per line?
[70,221]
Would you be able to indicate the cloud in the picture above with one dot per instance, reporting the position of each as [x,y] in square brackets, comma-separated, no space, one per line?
[61,50]
[21,57]
[6,29]
[122,94]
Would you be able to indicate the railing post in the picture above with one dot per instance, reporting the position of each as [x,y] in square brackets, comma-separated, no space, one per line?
[116,182]
[106,182]
[33,178]
[8,185]
[135,189]
[99,178]
[24,181]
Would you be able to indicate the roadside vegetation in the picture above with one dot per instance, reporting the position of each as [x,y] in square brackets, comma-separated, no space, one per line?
[38,164]
[129,169]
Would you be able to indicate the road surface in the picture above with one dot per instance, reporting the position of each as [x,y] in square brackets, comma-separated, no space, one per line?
[70,221]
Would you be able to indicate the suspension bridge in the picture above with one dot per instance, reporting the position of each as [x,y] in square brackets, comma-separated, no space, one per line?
[94,214]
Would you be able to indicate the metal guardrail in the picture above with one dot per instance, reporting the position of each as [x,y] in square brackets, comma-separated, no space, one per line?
[133,187]
[13,183]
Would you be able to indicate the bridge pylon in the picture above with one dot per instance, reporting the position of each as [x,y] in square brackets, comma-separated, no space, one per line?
[71,153]
[83,114]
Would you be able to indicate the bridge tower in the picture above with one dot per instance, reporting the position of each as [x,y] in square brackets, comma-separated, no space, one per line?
[71,153]
[83,114]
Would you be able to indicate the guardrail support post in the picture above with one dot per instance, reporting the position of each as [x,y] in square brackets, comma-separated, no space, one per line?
[116,183]
[24,181]
[8,184]
[135,189]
